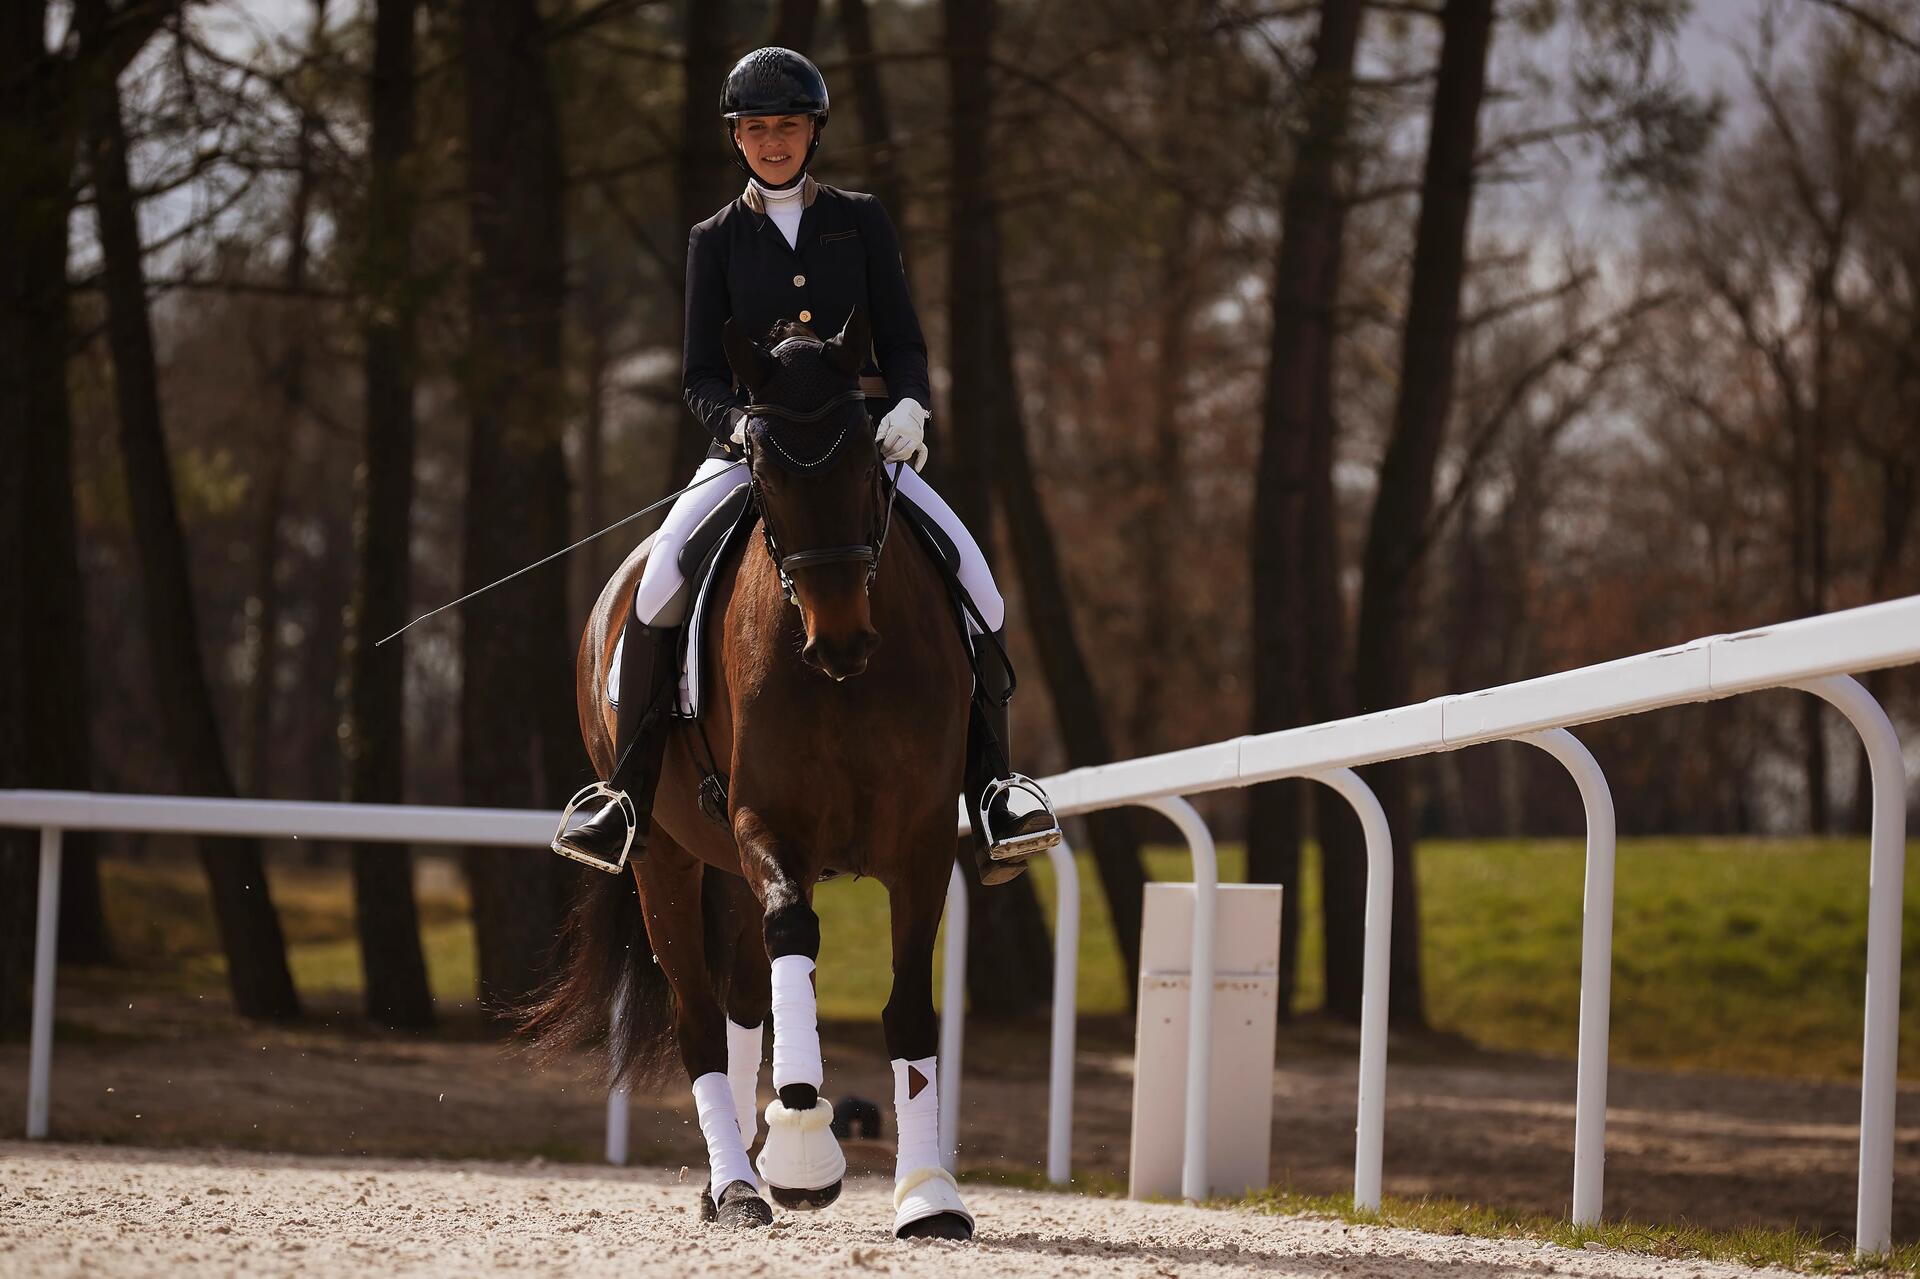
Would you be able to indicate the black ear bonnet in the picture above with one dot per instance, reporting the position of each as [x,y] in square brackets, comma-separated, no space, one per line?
[815,412]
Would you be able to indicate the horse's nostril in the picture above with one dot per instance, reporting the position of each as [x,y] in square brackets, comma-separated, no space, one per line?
[841,659]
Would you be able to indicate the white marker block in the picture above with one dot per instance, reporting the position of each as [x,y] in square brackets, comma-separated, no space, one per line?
[1246,988]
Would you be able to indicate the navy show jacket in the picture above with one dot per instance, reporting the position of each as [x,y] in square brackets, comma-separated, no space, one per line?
[739,265]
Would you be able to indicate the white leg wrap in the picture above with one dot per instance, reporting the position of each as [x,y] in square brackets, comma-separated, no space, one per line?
[796,1032]
[744,1052]
[916,1110]
[726,1157]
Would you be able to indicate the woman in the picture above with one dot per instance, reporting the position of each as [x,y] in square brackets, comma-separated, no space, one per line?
[790,248]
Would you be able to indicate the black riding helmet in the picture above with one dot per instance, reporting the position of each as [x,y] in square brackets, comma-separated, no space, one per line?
[774,81]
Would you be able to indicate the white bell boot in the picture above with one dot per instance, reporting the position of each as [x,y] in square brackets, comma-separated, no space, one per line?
[801,1160]
[926,1205]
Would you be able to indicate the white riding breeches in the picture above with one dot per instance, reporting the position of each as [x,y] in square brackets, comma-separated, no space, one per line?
[661,584]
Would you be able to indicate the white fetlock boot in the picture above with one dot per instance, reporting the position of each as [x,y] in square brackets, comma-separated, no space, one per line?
[801,1160]
[926,1199]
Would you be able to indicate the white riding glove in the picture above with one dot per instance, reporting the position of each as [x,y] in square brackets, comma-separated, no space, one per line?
[739,436]
[903,434]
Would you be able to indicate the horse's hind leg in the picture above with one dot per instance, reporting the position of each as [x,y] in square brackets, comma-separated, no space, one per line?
[801,1159]
[926,1198]
[670,887]
[748,1003]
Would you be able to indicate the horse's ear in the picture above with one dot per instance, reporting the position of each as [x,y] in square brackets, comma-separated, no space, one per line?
[847,350]
[752,366]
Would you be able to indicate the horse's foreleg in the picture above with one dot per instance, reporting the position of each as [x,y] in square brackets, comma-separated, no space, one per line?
[670,897]
[926,1198]
[801,1159]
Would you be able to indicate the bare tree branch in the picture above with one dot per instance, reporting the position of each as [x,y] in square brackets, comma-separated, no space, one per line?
[1873,22]
[1612,328]
[1522,301]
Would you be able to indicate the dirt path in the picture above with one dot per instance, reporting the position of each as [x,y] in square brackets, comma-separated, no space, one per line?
[87,1211]
[147,1069]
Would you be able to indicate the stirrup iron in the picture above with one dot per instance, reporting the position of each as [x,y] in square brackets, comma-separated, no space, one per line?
[1017,847]
[597,790]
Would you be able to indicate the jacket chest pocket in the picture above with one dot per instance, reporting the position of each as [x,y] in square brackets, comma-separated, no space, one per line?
[834,237]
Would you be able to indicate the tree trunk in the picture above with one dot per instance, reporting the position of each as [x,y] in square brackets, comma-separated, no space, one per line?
[34,204]
[1396,535]
[794,22]
[870,104]
[1297,620]
[249,928]
[1078,711]
[707,176]
[1007,939]
[385,915]
[277,456]
[519,747]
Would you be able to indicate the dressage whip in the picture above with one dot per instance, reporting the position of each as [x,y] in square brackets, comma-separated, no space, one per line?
[645,510]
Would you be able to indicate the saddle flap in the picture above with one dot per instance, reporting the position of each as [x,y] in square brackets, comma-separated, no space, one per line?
[714,538]
[707,536]
[932,536]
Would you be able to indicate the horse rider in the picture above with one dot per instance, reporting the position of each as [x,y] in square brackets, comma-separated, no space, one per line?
[791,248]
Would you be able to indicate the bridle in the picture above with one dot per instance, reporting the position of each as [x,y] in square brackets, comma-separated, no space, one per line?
[867,553]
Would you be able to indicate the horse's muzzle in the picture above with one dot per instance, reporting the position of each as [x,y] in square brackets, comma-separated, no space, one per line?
[841,658]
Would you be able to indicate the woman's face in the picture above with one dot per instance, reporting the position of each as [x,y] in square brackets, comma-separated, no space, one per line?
[775,145]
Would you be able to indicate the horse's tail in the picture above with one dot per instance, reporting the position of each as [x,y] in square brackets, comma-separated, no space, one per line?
[608,986]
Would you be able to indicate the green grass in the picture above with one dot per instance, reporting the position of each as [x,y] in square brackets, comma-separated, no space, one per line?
[1733,955]
[1755,1246]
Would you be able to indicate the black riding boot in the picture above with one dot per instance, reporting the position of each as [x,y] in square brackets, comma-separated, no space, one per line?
[597,834]
[1017,821]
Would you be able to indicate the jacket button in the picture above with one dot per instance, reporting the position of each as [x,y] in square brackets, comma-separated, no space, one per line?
[799,281]
[806,317]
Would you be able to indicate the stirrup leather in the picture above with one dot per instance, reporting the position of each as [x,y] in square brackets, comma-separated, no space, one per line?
[597,790]
[1005,848]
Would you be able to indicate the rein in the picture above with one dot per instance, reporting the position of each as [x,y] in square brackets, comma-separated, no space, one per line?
[867,553]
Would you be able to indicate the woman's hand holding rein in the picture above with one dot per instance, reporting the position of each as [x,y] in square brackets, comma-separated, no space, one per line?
[902,434]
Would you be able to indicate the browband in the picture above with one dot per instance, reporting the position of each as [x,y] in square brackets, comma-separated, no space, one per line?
[788,415]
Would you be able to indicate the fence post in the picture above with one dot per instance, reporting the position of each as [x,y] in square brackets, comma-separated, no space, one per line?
[1371,1120]
[1886,877]
[1206,904]
[953,1016]
[1066,991]
[46,949]
[1596,972]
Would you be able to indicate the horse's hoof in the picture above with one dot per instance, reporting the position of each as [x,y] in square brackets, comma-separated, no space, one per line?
[944,1225]
[800,1161]
[804,1200]
[926,1205]
[741,1207]
[856,1117]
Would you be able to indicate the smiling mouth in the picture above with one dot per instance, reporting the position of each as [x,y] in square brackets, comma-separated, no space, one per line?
[775,159]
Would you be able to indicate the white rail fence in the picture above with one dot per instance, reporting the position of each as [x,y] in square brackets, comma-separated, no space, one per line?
[1817,655]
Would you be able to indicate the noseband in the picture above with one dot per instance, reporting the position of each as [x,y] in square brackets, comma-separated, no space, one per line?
[785,565]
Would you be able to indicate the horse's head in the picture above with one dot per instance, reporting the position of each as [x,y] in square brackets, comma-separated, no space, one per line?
[817,476]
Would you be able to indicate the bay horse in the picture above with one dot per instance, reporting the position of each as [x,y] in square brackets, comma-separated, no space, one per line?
[836,707]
